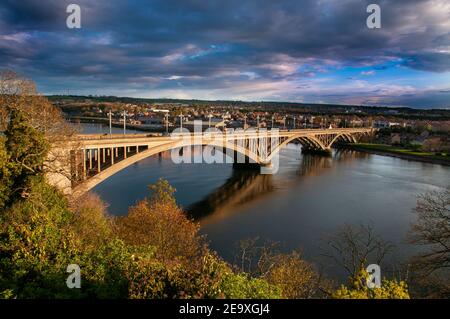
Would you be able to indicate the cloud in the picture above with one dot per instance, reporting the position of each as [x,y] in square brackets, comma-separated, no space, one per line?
[223,48]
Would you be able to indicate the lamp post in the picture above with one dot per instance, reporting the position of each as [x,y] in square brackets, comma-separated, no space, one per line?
[181,121]
[223,121]
[110,122]
[209,120]
[294,122]
[272,121]
[167,123]
[284,122]
[124,121]
[245,121]
[257,122]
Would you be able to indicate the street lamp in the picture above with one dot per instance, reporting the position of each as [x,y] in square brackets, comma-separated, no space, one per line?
[209,120]
[257,122]
[110,122]
[272,121]
[167,123]
[245,121]
[124,121]
[284,122]
[181,121]
[294,122]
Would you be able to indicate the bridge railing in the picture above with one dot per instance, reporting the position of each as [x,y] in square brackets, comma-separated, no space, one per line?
[107,136]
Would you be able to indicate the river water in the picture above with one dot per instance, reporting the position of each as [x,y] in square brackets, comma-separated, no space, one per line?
[308,199]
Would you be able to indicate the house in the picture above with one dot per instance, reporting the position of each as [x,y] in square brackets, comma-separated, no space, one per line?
[396,138]
[433,144]
[153,122]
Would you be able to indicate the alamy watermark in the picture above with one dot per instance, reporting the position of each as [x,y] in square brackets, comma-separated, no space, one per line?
[374,19]
[73,21]
[74,279]
[374,278]
[231,146]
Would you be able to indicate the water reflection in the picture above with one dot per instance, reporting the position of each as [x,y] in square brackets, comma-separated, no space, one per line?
[247,186]
[243,186]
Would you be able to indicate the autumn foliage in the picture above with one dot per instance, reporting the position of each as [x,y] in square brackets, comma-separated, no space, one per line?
[158,222]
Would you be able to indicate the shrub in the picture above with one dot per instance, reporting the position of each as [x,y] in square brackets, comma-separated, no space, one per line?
[160,223]
[357,289]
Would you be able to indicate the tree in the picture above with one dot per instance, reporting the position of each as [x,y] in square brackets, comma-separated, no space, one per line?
[5,174]
[19,94]
[39,238]
[358,289]
[18,97]
[23,151]
[91,222]
[158,222]
[35,243]
[27,149]
[432,230]
[352,248]
[213,278]
[295,277]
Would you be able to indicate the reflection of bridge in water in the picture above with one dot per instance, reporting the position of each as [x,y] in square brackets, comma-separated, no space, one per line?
[248,186]
[90,159]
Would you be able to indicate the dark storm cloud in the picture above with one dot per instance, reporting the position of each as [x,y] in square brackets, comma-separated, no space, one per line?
[197,44]
[437,62]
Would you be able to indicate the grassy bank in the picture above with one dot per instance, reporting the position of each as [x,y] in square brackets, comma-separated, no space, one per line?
[400,152]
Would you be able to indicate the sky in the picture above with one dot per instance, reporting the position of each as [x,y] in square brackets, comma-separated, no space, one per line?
[310,51]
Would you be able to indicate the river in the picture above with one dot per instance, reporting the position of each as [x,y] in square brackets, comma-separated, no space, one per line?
[308,199]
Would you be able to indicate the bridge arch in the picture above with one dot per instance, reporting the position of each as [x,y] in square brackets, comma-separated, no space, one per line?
[93,181]
[310,141]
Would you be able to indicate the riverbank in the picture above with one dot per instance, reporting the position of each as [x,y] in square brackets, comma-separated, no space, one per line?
[393,151]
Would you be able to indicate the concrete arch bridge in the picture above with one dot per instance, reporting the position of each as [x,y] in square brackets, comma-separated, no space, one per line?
[87,160]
